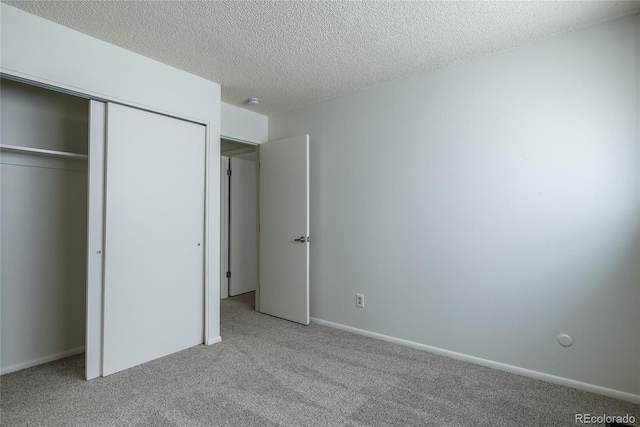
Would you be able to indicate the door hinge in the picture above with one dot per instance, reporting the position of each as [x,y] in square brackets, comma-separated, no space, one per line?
[228,172]
[228,274]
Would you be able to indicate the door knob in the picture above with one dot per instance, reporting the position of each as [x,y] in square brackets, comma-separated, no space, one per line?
[302,239]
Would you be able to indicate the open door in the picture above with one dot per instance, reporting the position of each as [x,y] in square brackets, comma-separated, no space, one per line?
[284,229]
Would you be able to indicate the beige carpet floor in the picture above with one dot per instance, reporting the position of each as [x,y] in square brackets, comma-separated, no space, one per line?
[269,372]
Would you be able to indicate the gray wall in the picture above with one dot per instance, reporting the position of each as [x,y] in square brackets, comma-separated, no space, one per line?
[43,213]
[486,207]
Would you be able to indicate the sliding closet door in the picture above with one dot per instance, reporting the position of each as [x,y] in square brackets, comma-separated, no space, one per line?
[95,239]
[154,237]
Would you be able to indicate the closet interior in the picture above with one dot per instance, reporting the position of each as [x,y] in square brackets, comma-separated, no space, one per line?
[43,210]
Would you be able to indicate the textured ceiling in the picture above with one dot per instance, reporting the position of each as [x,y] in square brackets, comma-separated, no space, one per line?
[295,53]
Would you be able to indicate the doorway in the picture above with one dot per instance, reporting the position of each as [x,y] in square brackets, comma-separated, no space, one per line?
[239,217]
[276,227]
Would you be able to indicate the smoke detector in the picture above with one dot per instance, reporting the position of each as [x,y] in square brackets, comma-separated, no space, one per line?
[254,101]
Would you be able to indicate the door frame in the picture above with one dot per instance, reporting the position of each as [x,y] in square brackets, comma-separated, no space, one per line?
[224,219]
[95,243]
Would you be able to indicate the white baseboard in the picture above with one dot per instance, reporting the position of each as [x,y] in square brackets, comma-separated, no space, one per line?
[214,340]
[616,394]
[41,360]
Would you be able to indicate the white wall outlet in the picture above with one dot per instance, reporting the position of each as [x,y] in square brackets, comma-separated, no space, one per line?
[360,300]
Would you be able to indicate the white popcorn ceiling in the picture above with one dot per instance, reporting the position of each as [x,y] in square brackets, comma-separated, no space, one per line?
[295,53]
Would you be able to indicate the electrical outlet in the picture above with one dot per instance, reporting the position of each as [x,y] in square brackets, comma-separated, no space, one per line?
[360,300]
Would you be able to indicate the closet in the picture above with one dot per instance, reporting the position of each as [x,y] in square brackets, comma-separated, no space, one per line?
[103,239]
[43,210]
[144,159]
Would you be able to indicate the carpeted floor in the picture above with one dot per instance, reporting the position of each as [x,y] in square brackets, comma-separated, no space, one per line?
[268,372]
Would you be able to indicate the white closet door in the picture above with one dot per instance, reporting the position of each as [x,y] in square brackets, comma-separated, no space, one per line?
[154,237]
[243,228]
[95,239]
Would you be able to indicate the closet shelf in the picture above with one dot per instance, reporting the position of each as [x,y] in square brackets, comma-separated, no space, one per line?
[41,152]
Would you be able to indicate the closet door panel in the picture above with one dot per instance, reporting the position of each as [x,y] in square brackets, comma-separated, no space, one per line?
[154,237]
[95,238]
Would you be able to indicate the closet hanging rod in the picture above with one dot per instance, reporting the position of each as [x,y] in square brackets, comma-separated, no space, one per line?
[42,152]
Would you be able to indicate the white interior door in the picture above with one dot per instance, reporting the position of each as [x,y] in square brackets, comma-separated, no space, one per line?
[154,237]
[284,229]
[242,227]
[224,227]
